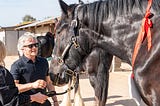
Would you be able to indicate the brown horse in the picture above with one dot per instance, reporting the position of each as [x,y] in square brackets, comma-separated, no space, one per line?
[113,25]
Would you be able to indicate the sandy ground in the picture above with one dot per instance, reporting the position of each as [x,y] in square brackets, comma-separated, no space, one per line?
[118,87]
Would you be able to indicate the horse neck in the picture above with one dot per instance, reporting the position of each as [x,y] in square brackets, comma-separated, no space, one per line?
[118,41]
[121,46]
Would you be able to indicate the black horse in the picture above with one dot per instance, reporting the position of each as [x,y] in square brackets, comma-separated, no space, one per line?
[113,25]
[46,45]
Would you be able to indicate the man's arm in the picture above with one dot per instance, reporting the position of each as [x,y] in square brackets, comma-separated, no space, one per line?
[28,86]
[23,87]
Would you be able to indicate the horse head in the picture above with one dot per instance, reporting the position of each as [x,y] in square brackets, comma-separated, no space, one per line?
[46,45]
[59,53]
[58,77]
[68,45]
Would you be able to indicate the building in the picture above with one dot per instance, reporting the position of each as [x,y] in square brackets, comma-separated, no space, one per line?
[40,27]
[9,36]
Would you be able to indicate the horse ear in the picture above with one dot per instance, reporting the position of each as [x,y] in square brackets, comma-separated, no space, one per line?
[81,2]
[64,7]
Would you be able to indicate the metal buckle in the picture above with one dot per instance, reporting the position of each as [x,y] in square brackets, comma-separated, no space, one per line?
[60,60]
[74,23]
[76,45]
[70,72]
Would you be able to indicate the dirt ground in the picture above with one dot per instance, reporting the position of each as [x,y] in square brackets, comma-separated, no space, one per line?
[118,94]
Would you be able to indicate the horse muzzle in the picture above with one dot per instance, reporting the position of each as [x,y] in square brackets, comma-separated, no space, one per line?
[59,79]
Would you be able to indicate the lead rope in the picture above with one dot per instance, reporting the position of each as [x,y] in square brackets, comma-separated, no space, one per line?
[53,93]
[145,30]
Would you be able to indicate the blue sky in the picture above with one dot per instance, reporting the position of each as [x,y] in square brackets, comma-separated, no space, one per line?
[12,11]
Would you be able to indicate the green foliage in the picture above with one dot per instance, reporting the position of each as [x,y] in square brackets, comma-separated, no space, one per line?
[28,18]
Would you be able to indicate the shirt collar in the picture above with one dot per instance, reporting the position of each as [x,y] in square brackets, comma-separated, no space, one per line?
[27,60]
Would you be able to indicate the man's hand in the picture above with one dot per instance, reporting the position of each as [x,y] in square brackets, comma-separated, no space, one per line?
[38,97]
[39,84]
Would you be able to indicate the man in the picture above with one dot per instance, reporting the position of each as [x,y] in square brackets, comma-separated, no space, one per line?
[9,95]
[30,72]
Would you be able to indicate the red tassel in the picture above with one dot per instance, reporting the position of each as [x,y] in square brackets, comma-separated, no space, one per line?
[145,30]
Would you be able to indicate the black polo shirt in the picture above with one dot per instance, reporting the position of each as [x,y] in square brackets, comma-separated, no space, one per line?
[27,71]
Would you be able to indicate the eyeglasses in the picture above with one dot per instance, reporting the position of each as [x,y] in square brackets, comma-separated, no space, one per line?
[31,45]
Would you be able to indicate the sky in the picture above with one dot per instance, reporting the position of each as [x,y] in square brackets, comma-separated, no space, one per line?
[13,11]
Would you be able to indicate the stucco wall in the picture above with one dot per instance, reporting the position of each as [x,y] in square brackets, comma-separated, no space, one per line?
[11,40]
[2,36]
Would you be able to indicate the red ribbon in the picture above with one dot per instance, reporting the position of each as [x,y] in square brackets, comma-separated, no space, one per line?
[144,32]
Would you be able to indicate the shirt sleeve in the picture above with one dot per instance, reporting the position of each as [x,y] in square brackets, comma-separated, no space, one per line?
[15,71]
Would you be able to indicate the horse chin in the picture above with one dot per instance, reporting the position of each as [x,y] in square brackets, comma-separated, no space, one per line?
[59,81]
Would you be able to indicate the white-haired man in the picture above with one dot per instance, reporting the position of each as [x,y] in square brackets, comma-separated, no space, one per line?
[30,72]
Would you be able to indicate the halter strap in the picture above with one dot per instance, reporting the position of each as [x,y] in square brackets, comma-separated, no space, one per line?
[55,25]
[144,32]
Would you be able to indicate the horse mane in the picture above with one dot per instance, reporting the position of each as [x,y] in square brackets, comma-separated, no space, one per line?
[92,14]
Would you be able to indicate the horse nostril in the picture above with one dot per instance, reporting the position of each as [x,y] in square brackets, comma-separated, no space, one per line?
[52,76]
[58,32]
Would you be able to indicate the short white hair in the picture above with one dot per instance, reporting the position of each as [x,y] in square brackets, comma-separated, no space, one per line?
[22,39]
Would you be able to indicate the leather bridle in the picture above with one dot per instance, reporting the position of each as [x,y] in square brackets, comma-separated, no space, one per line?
[73,42]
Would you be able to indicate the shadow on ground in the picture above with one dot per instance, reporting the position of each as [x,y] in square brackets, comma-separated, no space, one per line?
[126,102]
[122,102]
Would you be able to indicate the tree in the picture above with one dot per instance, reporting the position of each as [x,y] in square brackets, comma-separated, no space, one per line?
[28,18]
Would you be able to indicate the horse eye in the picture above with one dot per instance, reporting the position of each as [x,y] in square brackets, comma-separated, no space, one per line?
[61,28]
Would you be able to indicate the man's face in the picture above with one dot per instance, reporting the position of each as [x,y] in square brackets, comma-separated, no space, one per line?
[30,48]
